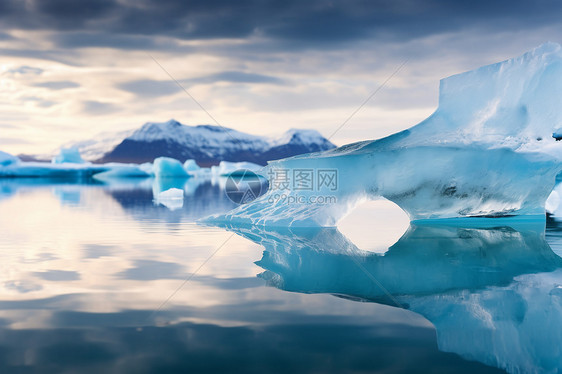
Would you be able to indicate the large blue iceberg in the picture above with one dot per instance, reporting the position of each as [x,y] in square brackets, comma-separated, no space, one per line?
[490,149]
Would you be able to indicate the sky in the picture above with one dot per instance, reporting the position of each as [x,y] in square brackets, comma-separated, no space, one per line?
[70,70]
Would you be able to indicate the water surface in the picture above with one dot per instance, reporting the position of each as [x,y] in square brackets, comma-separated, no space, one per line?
[100,278]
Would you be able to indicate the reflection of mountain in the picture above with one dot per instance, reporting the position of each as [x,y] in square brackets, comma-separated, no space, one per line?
[493,293]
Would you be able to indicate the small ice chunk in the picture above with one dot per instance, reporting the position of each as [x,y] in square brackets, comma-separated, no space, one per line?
[118,170]
[171,198]
[166,167]
[147,167]
[68,155]
[190,166]
[7,159]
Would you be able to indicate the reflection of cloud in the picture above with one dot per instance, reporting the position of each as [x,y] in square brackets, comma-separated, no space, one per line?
[152,270]
[22,286]
[58,275]
[230,283]
[41,257]
[190,347]
[97,250]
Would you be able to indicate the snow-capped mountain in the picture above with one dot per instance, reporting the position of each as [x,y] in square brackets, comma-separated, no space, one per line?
[206,144]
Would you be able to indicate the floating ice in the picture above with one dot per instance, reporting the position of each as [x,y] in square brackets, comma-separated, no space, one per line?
[68,155]
[118,170]
[487,150]
[48,170]
[166,167]
[7,159]
[190,166]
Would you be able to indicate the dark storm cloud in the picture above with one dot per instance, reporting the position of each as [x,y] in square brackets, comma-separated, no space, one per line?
[118,41]
[317,23]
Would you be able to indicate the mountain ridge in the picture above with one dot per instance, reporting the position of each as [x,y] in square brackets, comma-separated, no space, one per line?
[206,144]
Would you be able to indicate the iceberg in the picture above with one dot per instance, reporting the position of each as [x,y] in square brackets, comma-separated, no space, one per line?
[7,159]
[487,151]
[49,170]
[118,170]
[190,166]
[68,155]
[166,167]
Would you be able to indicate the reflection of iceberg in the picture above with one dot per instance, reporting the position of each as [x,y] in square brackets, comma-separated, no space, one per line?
[493,293]
[171,198]
[486,151]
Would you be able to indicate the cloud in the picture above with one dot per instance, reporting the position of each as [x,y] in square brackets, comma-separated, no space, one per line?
[38,101]
[57,85]
[97,39]
[13,141]
[97,107]
[25,70]
[235,77]
[149,88]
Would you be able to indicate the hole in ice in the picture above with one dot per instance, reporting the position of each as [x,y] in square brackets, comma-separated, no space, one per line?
[375,225]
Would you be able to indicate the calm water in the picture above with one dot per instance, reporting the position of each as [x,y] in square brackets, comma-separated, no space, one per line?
[98,279]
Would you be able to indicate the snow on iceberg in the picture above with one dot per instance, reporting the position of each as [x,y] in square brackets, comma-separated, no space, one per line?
[68,155]
[487,150]
[166,167]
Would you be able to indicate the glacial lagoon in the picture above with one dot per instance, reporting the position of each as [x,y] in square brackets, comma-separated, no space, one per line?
[100,277]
